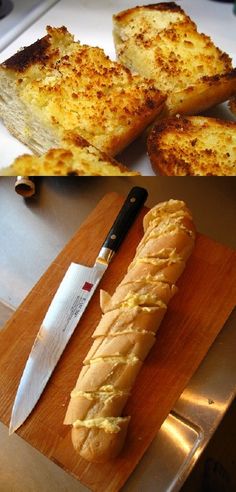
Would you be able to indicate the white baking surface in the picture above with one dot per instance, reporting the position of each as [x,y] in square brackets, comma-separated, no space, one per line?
[91,23]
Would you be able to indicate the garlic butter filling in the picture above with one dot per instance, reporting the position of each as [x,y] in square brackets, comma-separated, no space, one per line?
[108,424]
[131,331]
[162,230]
[169,210]
[105,393]
[114,359]
[159,277]
[168,253]
[142,299]
[175,217]
[147,283]
[158,260]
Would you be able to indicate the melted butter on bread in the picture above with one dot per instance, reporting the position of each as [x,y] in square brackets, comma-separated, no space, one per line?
[108,424]
[160,41]
[61,87]
[114,359]
[78,158]
[142,299]
[105,393]
[194,146]
[130,331]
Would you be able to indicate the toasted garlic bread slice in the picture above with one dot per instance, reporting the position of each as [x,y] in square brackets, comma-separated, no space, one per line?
[80,159]
[193,145]
[160,41]
[57,85]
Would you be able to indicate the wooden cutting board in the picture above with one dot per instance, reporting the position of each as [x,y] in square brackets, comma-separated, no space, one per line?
[207,295]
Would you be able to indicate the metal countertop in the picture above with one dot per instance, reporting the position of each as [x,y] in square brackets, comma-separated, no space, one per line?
[32,233]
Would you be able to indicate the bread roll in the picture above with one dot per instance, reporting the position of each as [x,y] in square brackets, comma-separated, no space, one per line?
[126,332]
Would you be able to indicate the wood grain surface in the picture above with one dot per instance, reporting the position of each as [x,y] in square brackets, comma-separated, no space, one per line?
[207,295]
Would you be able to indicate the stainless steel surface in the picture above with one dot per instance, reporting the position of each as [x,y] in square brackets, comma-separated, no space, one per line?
[168,455]
[195,417]
[22,15]
[36,230]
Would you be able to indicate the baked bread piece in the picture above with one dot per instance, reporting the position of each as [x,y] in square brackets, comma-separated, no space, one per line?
[160,41]
[126,332]
[56,86]
[193,145]
[79,159]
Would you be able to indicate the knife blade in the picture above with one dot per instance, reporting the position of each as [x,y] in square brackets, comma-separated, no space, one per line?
[67,306]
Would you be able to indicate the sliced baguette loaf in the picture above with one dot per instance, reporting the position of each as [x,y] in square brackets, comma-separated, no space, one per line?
[57,85]
[160,41]
[126,333]
[79,159]
[193,145]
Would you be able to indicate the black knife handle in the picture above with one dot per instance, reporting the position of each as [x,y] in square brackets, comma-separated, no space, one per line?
[133,203]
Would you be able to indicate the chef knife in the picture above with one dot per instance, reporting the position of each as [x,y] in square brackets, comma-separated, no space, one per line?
[65,311]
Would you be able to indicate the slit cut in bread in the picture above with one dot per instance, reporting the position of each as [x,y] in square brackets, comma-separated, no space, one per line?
[78,159]
[126,333]
[193,145]
[57,86]
[161,42]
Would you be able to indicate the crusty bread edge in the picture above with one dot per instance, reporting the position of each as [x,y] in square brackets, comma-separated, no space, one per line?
[156,154]
[168,6]
[208,92]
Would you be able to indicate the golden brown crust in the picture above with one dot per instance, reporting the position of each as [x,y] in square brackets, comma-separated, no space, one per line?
[74,90]
[35,53]
[162,42]
[208,92]
[80,159]
[167,6]
[194,145]
[39,53]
